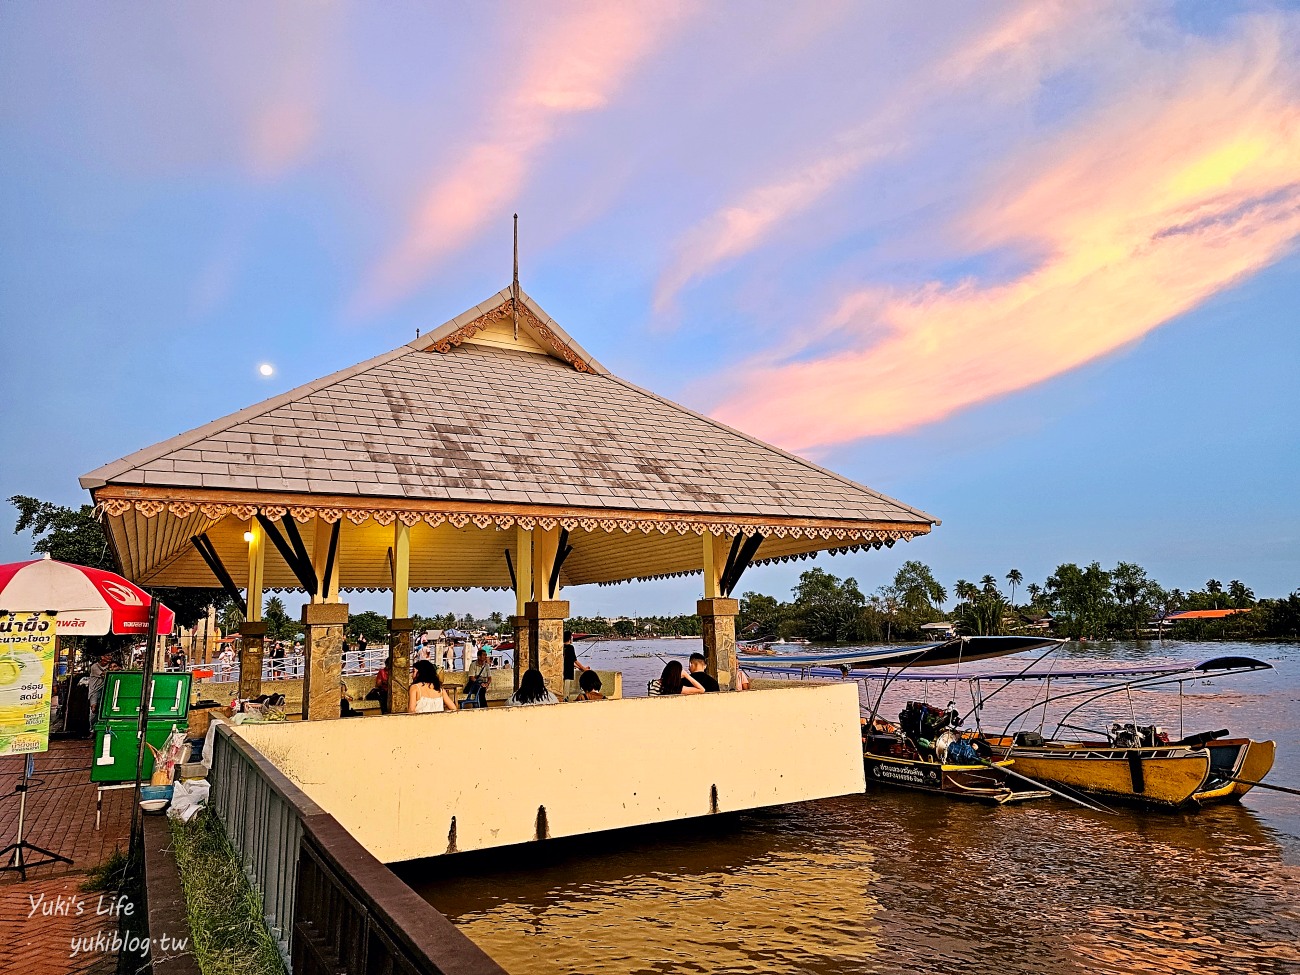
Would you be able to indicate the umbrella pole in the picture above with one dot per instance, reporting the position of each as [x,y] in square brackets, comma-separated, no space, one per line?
[146,695]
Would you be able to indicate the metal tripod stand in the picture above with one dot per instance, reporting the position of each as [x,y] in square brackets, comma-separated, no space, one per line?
[20,848]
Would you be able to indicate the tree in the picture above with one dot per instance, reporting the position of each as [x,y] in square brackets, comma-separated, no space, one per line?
[370,624]
[983,609]
[1136,594]
[278,624]
[1215,588]
[1240,594]
[828,610]
[760,615]
[65,534]
[230,619]
[1034,590]
[1015,578]
[76,536]
[917,589]
[1081,598]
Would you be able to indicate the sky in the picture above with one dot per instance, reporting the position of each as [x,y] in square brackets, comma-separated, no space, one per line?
[1030,267]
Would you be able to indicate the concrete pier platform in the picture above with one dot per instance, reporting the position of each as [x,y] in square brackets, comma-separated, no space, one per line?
[413,786]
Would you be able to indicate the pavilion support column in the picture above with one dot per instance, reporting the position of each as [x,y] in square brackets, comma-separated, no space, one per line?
[718,623]
[524,655]
[399,681]
[546,633]
[252,638]
[323,650]
[400,624]
[252,632]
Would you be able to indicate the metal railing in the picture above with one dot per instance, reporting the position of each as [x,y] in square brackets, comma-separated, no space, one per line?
[332,907]
[291,666]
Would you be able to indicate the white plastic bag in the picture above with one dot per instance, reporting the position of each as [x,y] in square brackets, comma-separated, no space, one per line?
[187,799]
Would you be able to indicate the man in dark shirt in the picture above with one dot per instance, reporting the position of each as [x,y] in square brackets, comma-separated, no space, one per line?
[571,661]
[697,666]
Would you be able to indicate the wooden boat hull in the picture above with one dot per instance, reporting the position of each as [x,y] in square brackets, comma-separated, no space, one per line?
[981,783]
[1240,758]
[1168,776]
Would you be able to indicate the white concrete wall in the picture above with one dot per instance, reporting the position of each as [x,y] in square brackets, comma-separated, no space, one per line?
[395,783]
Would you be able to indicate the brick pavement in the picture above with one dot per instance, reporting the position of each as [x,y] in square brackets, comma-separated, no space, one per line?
[44,932]
[60,817]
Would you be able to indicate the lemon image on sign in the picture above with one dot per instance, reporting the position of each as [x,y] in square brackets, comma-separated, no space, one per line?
[10,671]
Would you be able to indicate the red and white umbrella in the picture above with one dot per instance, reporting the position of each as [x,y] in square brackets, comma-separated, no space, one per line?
[90,602]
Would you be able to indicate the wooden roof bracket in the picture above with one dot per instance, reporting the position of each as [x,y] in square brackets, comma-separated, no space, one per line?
[295,556]
[210,556]
[738,560]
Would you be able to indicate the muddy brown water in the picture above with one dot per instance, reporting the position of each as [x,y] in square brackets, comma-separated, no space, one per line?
[894,881]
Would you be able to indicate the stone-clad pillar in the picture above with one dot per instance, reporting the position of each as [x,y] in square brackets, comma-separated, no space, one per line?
[252,637]
[323,650]
[524,657]
[546,631]
[718,622]
[399,679]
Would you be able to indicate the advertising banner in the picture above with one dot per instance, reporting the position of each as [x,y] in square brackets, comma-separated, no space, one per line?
[27,645]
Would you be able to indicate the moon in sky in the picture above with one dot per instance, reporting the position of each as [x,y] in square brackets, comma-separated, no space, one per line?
[266,369]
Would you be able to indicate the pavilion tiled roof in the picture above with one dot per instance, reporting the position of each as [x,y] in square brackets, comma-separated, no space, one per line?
[441,421]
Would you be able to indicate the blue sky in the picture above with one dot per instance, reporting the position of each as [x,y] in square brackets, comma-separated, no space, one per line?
[1028,266]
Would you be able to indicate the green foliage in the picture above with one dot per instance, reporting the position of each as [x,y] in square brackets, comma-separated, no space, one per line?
[1136,595]
[279,625]
[761,616]
[828,610]
[917,590]
[66,534]
[1080,599]
[109,875]
[372,625]
[230,619]
[982,610]
[227,931]
[74,535]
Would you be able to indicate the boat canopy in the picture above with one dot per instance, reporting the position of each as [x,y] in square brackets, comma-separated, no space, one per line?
[773,665]
[959,650]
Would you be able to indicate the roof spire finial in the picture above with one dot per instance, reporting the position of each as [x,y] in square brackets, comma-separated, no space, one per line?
[514,286]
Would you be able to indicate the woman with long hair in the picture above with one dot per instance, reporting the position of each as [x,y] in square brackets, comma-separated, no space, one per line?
[427,693]
[532,690]
[676,680]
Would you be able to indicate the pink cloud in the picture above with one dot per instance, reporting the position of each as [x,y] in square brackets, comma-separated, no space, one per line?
[1160,201]
[574,65]
[1013,52]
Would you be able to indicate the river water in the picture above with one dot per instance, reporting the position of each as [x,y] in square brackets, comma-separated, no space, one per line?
[894,881]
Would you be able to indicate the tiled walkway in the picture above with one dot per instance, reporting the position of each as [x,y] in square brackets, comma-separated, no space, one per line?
[60,817]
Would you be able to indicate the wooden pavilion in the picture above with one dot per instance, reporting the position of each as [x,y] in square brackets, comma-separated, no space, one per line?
[493,452]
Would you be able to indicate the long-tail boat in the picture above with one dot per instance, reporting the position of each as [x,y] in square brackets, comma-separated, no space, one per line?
[924,751]
[1141,764]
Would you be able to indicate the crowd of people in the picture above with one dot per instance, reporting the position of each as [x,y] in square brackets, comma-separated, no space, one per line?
[429,695]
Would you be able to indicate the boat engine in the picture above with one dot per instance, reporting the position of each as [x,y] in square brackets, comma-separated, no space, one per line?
[1126,734]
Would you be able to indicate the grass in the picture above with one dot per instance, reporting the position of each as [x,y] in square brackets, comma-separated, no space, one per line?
[228,933]
[109,875]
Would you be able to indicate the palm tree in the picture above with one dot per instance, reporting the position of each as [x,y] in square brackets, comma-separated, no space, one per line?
[989,584]
[1015,578]
[1215,588]
[1034,590]
[964,590]
[1240,594]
